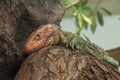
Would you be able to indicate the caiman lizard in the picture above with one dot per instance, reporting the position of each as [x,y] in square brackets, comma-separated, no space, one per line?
[51,34]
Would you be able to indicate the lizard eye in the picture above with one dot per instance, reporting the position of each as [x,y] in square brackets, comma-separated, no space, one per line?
[37,37]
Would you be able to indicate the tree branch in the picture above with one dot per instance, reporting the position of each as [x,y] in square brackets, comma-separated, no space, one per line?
[73,4]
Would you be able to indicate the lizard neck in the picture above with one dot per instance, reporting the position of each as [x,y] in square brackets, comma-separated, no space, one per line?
[65,37]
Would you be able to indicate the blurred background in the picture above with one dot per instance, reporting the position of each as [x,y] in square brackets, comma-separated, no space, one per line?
[106,36]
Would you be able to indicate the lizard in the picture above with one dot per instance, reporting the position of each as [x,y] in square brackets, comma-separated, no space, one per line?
[51,34]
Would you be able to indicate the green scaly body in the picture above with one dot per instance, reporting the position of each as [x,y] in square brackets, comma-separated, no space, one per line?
[78,43]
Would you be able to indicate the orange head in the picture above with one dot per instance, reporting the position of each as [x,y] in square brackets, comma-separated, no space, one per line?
[43,36]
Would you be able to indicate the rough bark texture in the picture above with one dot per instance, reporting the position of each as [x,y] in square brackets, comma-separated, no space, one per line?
[115,53]
[59,63]
[18,18]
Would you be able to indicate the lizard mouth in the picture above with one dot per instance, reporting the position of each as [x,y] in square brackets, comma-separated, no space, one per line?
[33,47]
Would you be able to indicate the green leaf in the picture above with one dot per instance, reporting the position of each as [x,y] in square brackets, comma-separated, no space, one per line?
[100,18]
[94,24]
[81,24]
[82,4]
[87,11]
[87,14]
[67,3]
[79,7]
[86,18]
[89,17]
[75,11]
[85,24]
[106,11]
[79,21]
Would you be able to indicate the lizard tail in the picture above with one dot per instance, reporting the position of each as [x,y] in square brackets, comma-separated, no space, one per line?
[111,61]
[100,53]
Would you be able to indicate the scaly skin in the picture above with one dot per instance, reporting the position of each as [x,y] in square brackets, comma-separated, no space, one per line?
[51,34]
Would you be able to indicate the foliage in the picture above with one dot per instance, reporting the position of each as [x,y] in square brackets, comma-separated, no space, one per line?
[84,15]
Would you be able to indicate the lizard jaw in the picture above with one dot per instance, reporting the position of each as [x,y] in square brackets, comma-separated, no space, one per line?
[33,47]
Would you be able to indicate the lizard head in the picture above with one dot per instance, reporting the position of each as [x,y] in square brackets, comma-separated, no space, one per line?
[43,36]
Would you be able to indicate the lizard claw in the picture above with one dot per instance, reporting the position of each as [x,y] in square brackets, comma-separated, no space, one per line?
[74,41]
[71,41]
[67,40]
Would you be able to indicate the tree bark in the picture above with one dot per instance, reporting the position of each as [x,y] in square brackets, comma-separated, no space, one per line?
[18,18]
[59,63]
[115,53]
